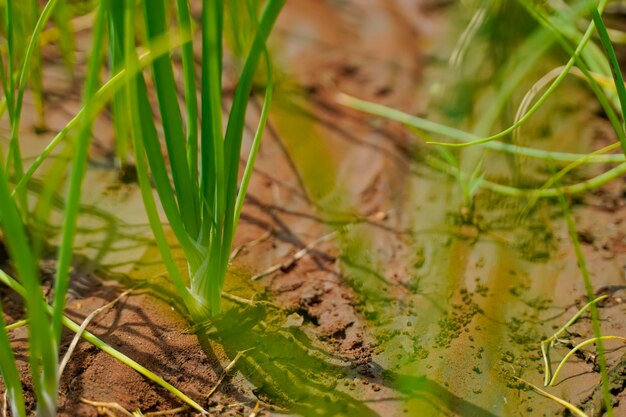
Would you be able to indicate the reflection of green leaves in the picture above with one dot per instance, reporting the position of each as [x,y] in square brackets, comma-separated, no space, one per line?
[469,185]
[435,399]
[283,363]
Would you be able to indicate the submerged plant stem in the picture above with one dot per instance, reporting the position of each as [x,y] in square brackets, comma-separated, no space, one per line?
[595,317]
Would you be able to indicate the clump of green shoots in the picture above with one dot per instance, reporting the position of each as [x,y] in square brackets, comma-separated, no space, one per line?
[204,203]
[45,321]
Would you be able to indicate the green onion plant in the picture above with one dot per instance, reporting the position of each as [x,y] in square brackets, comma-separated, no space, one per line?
[45,321]
[198,186]
[44,325]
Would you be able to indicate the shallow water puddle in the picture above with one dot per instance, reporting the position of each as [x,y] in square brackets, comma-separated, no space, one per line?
[451,311]
[436,307]
[456,300]
[456,307]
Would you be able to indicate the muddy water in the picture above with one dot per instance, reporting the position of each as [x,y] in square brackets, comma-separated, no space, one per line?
[423,303]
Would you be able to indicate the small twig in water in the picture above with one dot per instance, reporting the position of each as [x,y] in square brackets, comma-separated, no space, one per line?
[237,299]
[228,368]
[245,301]
[295,258]
[103,407]
[254,242]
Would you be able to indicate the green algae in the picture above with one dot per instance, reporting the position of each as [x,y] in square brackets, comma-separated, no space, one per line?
[456,329]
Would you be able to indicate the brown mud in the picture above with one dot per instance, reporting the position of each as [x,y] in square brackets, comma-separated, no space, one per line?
[400,305]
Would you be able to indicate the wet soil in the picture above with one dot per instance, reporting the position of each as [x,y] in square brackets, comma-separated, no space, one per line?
[401,303]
